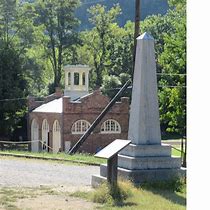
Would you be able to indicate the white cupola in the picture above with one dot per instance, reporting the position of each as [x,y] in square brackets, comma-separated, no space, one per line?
[76,81]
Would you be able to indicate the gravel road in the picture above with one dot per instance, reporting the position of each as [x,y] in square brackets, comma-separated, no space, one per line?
[35,173]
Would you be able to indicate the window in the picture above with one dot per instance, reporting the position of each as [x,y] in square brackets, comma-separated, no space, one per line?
[69,78]
[110,126]
[45,125]
[56,126]
[83,78]
[80,126]
[76,78]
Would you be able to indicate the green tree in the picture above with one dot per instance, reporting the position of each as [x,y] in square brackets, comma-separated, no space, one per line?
[13,42]
[120,54]
[111,84]
[173,63]
[57,17]
[12,85]
[8,13]
[97,40]
[169,32]
[108,50]
[17,31]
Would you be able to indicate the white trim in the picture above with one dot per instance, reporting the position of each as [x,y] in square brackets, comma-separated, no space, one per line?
[79,128]
[35,136]
[45,131]
[110,126]
[56,136]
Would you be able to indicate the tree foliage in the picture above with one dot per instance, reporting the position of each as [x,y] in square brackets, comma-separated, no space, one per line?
[99,37]
[57,17]
[169,32]
[12,77]
[173,63]
[107,48]
[12,85]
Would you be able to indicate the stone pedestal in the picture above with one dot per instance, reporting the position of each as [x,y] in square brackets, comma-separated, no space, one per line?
[149,163]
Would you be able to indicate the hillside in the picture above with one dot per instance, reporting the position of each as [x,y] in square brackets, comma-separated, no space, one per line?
[148,7]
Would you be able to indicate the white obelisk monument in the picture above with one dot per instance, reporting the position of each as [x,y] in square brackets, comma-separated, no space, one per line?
[146,159]
[144,123]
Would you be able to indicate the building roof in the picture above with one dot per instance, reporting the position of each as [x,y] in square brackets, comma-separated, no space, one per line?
[90,99]
[55,106]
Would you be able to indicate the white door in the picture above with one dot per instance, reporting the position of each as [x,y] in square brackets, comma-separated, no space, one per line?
[45,131]
[56,137]
[34,136]
[67,146]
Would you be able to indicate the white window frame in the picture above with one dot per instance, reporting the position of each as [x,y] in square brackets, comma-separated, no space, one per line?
[80,126]
[45,125]
[110,126]
[56,126]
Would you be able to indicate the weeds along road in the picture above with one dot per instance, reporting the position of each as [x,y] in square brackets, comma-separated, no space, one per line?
[18,172]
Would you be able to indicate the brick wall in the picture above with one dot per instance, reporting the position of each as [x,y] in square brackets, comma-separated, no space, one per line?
[87,108]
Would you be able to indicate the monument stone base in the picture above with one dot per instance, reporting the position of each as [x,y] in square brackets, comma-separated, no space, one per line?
[145,163]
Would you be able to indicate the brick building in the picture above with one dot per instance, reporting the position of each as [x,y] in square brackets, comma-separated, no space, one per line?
[60,119]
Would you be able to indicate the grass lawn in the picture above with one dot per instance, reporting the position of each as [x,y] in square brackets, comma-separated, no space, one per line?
[80,157]
[87,158]
[144,198]
[176,152]
[152,200]
[141,199]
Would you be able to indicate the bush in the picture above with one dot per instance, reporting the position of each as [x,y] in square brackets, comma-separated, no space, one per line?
[176,185]
[113,195]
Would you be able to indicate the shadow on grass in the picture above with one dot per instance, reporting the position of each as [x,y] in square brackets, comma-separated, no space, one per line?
[171,190]
[170,195]
[125,204]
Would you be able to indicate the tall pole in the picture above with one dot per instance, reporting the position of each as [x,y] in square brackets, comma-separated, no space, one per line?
[137,21]
[137,28]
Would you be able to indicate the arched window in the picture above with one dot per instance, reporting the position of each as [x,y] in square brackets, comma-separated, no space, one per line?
[80,126]
[56,143]
[45,125]
[34,136]
[69,78]
[110,126]
[76,78]
[56,126]
[45,131]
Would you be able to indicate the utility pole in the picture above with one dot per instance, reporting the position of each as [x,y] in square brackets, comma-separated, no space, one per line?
[137,28]
[137,21]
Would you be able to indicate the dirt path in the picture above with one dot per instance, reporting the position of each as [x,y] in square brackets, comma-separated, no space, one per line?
[46,202]
[33,173]
[37,184]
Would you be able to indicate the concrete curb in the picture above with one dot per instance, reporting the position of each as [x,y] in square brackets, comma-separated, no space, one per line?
[47,158]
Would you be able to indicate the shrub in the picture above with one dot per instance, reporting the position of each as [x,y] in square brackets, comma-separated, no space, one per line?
[176,185]
[115,195]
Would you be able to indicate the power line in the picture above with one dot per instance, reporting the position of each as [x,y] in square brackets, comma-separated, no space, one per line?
[172,86]
[13,99]
[129,88]
[92,2]
[162,86]
[171,74]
